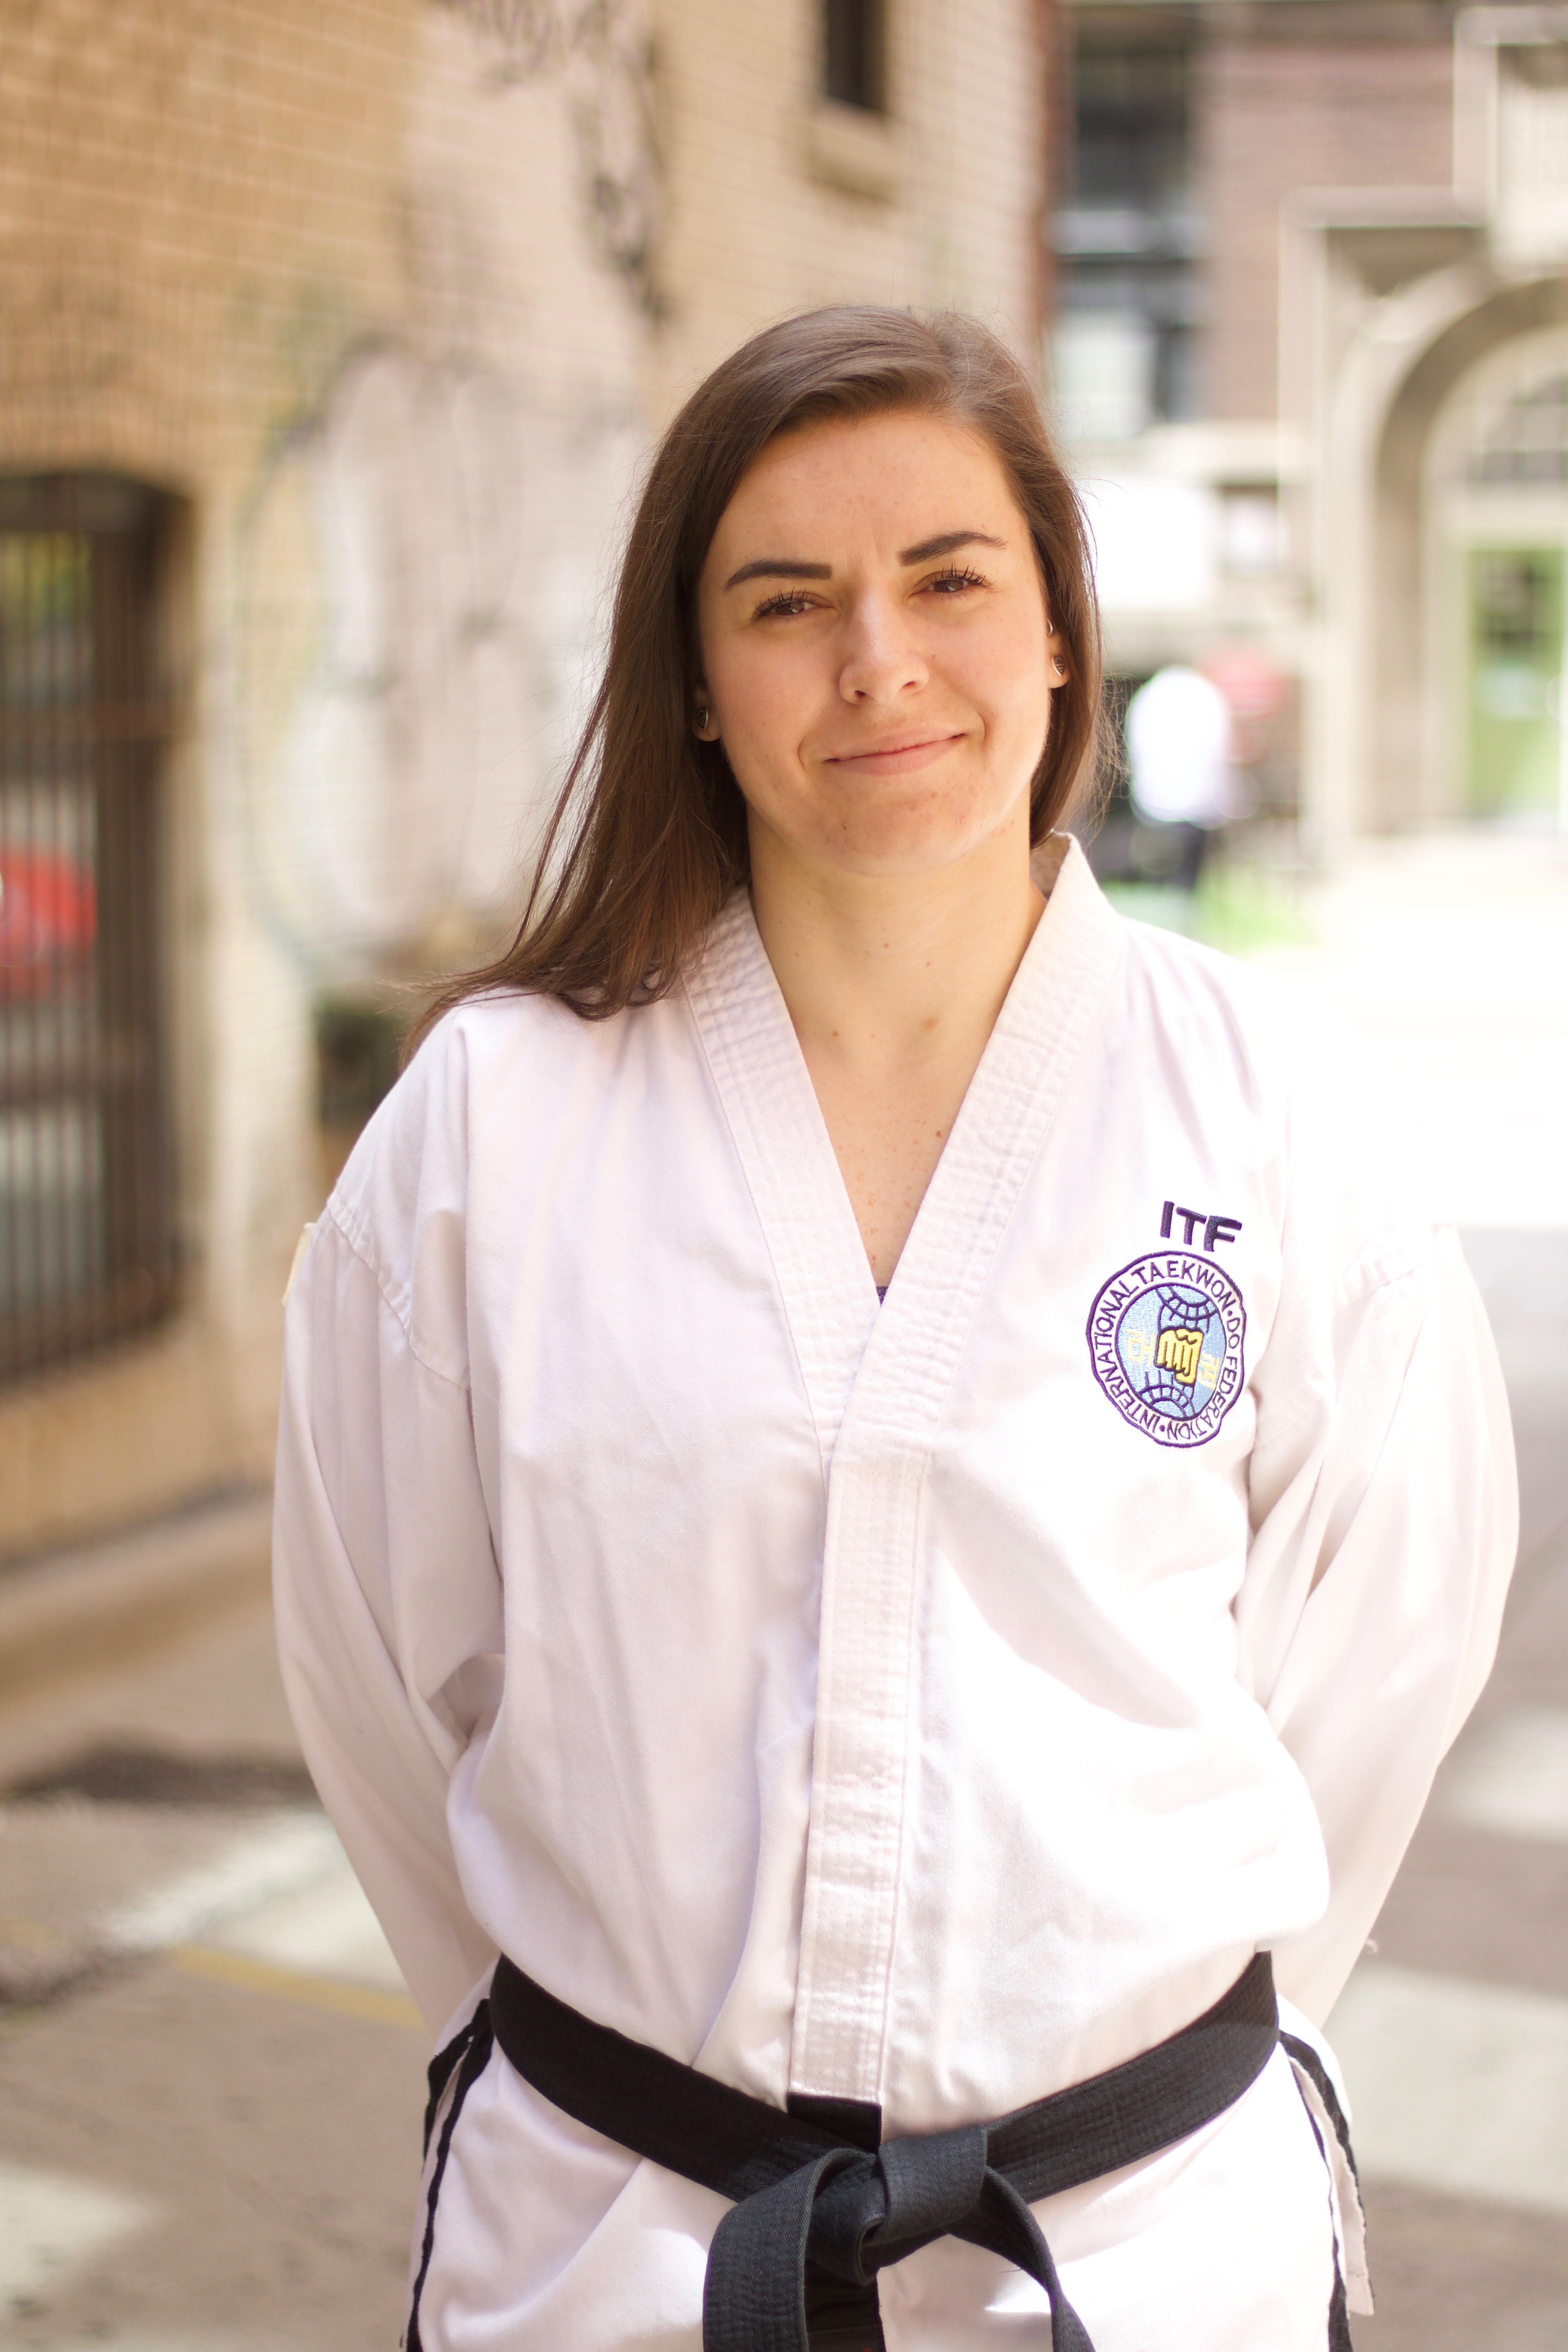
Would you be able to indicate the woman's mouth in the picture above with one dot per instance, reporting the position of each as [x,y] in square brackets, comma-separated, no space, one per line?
[898,756]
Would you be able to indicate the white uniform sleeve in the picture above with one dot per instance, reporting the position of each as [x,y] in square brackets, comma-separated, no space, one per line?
[1385,1516]
[387,1599]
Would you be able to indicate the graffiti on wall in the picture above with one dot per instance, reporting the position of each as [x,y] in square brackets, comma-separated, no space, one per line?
[422,548]
[602,54]
[421,565]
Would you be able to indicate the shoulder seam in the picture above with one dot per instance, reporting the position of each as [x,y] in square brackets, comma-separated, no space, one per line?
[337,1210]
[1379,1267]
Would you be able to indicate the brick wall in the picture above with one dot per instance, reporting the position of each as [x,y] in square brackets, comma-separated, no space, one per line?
[334,271]
[756,230]
[1275,117]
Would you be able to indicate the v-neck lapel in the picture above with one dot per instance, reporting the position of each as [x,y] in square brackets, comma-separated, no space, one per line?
[807,1219]
[820,1263]
[1053,1002]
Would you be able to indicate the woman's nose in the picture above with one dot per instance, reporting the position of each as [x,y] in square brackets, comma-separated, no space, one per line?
[882,658]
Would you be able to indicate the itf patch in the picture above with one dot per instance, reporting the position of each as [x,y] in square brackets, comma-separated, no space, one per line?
[1166,1339]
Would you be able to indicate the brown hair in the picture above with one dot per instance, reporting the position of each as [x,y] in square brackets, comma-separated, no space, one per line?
[652,819]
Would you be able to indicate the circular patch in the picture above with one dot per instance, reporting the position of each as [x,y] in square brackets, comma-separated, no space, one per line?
[1166,1339]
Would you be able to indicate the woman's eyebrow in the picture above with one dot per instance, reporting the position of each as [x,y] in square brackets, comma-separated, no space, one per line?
[946,542]
[779,567]
[782,567]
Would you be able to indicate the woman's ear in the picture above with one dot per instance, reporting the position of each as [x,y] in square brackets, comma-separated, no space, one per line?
[703,723]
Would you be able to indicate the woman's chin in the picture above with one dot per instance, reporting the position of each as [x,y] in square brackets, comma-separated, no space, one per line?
[909,850]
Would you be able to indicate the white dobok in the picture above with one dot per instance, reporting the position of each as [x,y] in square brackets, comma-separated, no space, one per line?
[933,1703]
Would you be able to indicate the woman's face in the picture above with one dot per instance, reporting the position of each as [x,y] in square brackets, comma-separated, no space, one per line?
[877,654]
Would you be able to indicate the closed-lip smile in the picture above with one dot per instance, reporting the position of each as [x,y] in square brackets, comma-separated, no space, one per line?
[903,751]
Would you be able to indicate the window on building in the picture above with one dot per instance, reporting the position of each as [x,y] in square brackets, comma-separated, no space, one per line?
[86,1231]
[852,58]
[1126,238]
[1528,442]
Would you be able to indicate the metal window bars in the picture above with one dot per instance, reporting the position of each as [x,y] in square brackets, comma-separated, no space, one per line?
[87,1231]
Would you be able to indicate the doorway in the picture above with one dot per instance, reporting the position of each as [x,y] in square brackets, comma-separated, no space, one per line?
[1515,751]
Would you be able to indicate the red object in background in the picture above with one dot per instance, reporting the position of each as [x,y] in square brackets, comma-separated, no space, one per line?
[49,920]
[1254,687]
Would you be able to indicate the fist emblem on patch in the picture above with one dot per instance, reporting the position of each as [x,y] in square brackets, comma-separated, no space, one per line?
[1166,1337]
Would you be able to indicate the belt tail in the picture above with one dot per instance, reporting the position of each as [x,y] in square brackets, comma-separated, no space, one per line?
[753,2297]
[1322,2104]
[1010,2228]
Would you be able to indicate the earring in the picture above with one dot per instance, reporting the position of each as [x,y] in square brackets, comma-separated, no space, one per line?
[1058,665]
[702,717]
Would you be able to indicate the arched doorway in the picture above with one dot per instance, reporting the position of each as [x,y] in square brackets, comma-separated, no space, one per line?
[1420,398]
[1497,482]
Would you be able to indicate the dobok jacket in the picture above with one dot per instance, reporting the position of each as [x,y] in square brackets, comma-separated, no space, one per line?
[934,1703]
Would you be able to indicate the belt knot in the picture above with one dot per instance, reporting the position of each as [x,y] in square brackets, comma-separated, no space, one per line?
[853,2212]
[869,2211]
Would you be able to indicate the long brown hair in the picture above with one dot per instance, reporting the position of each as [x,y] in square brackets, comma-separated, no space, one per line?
[648,835]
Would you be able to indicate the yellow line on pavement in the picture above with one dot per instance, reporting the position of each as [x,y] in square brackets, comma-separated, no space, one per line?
[294,1984]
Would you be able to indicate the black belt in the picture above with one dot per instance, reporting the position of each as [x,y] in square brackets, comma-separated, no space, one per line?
[817,2212]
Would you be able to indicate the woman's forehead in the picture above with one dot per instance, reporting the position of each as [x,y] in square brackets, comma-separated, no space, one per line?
[881,470]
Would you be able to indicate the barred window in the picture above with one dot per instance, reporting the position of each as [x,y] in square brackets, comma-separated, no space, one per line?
[85,1224]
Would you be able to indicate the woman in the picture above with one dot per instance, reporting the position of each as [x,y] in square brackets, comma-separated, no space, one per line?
[897,1713]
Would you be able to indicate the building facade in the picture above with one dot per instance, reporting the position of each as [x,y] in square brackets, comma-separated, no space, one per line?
[1309,346]
[331,338]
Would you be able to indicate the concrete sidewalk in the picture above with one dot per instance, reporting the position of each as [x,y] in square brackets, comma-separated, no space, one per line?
[1444,959]
[212,2075]
[1446,962]
[108,1607]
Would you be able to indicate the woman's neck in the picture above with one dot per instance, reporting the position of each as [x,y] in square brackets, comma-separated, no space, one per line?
[888,973]
[893,983]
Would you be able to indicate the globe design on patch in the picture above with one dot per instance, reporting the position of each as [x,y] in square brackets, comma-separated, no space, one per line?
[1171,1344]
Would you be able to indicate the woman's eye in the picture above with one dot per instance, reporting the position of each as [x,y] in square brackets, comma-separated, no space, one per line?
[948,583]
[793,600]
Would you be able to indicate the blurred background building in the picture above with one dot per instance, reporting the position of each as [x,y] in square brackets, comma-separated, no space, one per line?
[1311,347]
[330,338]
